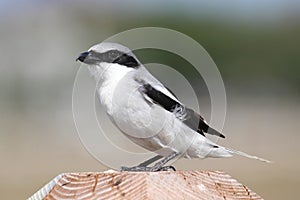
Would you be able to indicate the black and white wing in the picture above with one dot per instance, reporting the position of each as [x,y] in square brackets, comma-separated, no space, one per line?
[166,99]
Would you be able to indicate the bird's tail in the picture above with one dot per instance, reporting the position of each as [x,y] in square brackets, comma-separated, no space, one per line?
[247,155]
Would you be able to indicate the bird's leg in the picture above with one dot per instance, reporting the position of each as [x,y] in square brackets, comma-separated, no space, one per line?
[159,166]
[150,161]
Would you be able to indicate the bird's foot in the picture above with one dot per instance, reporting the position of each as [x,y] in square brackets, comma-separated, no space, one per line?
[135,169]
[147,169]
[159,166]
[167,168]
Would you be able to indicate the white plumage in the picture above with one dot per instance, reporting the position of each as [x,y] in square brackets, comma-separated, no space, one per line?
[131,97]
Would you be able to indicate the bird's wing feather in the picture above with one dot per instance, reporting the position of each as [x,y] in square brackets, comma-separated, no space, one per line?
[163,97]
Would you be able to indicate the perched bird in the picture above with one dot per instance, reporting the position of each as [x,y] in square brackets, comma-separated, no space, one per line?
[147,112]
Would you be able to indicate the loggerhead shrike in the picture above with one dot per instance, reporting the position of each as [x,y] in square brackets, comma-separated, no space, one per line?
[147,112]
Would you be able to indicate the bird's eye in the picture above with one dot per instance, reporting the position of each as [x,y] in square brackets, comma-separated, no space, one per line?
[113,54]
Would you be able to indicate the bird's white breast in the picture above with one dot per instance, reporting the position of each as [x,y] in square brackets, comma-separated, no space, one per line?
[145,123]
[109,78]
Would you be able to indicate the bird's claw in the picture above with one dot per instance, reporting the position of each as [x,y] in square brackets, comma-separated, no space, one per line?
[167,168]
[147,169]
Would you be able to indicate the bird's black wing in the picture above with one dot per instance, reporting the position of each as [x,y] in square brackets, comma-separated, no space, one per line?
[188,116]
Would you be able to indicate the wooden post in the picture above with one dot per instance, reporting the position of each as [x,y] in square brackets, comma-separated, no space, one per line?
[145,185]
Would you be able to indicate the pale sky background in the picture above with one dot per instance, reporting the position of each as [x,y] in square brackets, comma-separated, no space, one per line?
[232,9]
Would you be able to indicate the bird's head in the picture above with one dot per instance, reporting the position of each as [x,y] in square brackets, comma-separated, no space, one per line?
[108,54]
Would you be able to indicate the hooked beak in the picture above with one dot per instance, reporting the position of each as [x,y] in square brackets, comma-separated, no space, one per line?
[82,57]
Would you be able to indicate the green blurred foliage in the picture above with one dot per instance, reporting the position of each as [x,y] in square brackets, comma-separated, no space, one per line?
[257,53]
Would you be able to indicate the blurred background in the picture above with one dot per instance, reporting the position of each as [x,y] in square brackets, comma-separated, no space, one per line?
[255,45]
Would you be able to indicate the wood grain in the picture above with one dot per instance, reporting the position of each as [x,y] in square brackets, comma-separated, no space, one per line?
[145,185]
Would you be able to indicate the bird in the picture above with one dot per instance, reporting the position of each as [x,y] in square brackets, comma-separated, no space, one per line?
[149,113]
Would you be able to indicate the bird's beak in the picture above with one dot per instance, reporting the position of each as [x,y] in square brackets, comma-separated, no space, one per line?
[82,57]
